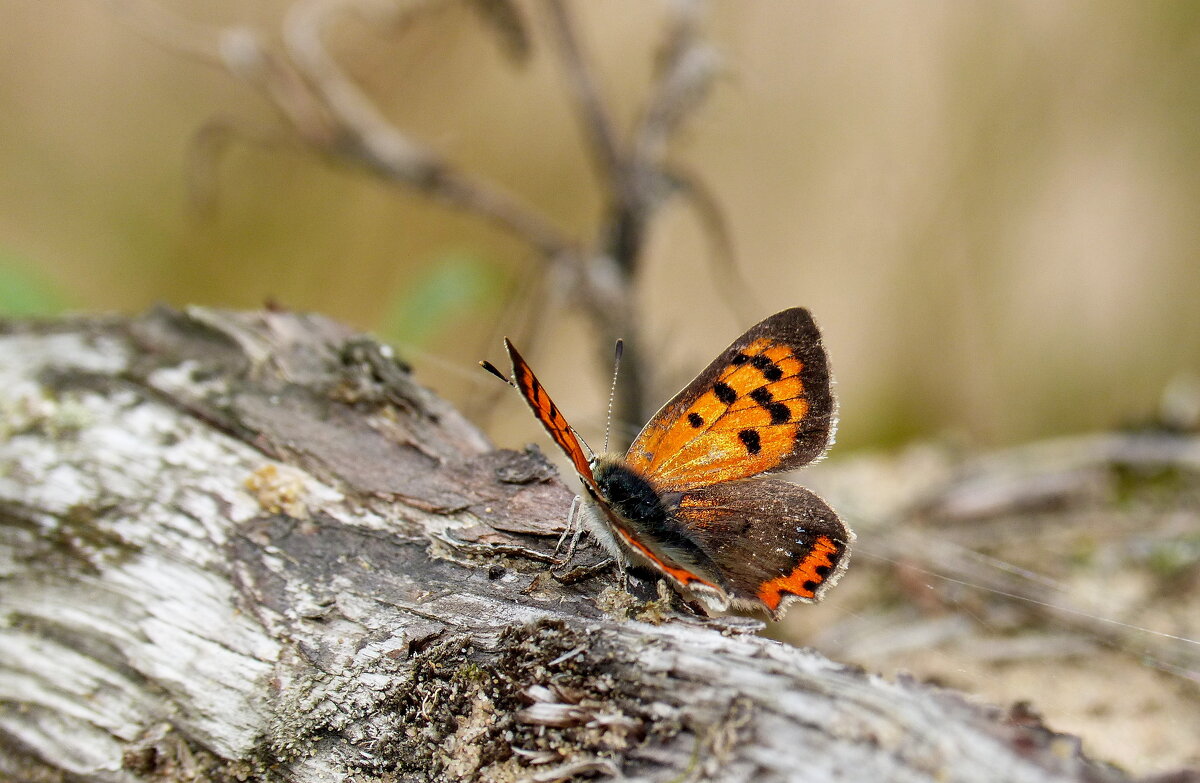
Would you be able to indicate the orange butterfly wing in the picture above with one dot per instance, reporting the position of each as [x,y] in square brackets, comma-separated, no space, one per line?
[765,404]
[548,414]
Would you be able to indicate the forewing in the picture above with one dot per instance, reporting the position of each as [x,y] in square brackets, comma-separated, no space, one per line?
[765,404]
[772,542]
[548,414]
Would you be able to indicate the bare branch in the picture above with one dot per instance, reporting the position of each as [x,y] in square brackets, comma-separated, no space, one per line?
[504,17]
[367,134]
[334,117]
[331,114]
[734,288]
[596,119]
[686,69]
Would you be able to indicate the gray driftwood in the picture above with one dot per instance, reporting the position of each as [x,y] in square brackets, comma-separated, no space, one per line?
[250,547]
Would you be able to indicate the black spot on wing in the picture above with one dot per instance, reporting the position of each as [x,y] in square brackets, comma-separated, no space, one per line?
[696,420]
[767,367]
[762,396]
[750,440]
[780,413]
[724,392]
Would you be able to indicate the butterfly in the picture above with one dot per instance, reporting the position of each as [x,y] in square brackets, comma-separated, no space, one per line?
[688,500]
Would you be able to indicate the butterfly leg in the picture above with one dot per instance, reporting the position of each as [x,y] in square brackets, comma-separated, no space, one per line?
[574,525]
[575,539]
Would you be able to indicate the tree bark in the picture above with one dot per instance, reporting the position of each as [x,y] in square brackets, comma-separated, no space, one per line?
[247,546]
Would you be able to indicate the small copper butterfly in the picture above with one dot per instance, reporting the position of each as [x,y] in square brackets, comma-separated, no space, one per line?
[687,501]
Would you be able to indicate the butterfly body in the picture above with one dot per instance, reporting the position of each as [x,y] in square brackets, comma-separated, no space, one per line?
[636,523]
[686,499]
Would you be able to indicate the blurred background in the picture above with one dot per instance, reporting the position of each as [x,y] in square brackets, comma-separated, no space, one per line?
[991,208]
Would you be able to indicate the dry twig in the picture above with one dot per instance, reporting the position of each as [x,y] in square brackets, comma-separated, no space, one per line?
[328,113]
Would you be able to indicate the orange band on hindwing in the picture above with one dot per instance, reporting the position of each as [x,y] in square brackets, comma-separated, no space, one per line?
[805,578]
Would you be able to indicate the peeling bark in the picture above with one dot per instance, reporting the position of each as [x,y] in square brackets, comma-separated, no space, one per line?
[247,546]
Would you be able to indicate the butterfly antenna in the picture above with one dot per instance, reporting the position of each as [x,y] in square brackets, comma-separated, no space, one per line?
[582,442]
[485,364]
[612,392]
[492,369]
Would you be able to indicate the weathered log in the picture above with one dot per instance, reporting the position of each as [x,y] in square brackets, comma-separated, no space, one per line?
[248,546]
